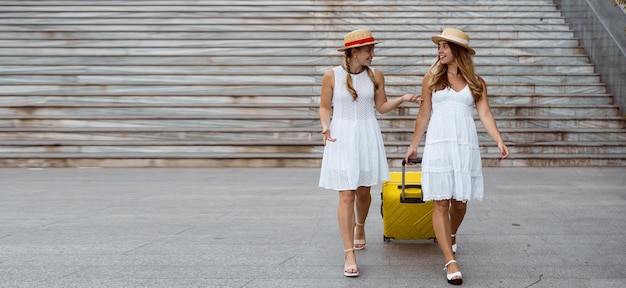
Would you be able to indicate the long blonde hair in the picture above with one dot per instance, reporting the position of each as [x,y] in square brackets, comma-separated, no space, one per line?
[463,60]
[346,64]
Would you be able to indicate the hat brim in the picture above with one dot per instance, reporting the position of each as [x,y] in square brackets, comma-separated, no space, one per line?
[358,45]
[438,38]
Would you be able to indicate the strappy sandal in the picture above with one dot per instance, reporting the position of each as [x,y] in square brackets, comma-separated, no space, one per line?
[352,267]
[358,241]
[451,280]
[453,236]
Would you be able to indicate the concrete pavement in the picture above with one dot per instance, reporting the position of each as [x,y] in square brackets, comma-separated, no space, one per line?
[95,227]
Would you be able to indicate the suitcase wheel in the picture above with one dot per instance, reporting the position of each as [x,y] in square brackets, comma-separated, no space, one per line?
[386,239]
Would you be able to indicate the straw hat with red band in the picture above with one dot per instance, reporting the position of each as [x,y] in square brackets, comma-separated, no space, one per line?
[455,36]
[358,38]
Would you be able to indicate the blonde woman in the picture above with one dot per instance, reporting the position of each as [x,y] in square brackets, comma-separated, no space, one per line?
[451,164]
[354,155]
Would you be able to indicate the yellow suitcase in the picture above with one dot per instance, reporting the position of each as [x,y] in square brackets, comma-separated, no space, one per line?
[405,215]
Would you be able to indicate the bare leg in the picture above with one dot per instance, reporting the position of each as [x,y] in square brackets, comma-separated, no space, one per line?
[345,217]
[441,225]
[363,201]
[457,213]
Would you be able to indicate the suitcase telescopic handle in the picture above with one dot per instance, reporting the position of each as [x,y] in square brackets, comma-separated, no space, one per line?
[403,198]
[411,161]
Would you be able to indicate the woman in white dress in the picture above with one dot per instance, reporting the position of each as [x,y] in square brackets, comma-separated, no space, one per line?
[354,155]
[451,164]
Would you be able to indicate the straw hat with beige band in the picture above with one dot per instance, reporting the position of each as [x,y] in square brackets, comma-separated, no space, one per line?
[455,36]
[358,38]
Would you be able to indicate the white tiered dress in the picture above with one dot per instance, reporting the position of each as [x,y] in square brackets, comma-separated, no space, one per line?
[451,165]
[358,156]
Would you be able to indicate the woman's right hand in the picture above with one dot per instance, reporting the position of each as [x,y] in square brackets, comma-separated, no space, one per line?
[326,136]
[411,153]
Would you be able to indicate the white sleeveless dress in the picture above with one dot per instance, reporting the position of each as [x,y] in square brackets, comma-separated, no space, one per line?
[358,156]
[451,165]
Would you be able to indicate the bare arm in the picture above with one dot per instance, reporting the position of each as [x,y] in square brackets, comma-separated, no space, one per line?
[326,99]
[484,113]
[421,120]
[380,96]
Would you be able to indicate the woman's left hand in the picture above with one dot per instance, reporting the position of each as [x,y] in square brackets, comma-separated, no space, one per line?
[504,151]
[414,98]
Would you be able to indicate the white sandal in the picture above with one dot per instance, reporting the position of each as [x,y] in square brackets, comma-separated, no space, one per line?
[358,241]
[451,277]
[453,245]
[353,267]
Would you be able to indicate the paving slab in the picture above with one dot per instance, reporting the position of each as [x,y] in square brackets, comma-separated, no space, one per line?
[256,227]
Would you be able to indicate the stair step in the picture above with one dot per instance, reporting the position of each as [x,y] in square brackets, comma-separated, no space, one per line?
[305,19]
[268,6]
[309,160]
[249,90]
[413,36]
[446,4]
[250,134]
[34,102]
[279,146]
[280,121]
[530,25]
[270,60]
[288,69]
[282,109]
[152,15]
[267,79]
[295,50]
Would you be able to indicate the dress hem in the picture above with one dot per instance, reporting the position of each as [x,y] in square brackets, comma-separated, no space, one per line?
[452,198]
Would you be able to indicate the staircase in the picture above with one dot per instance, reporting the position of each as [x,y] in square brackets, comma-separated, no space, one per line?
[214,83]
